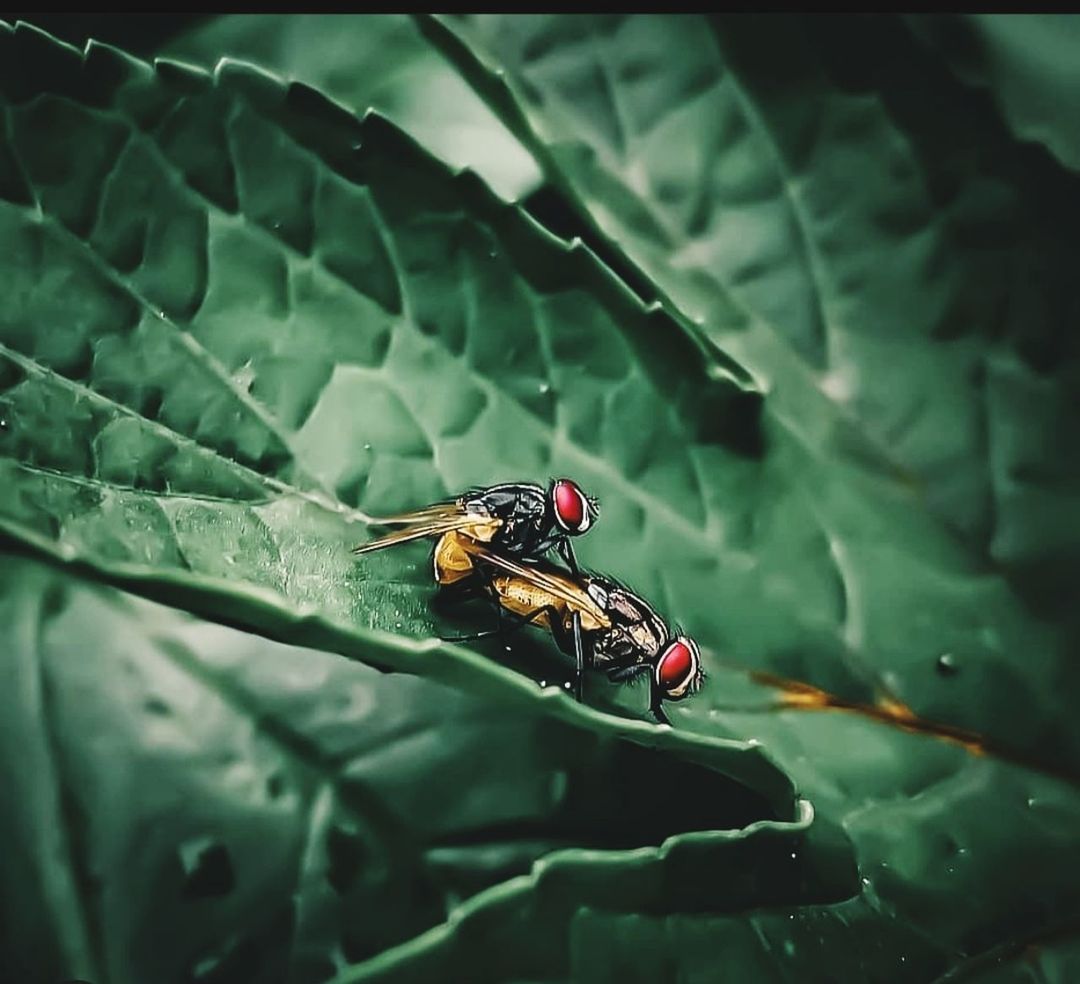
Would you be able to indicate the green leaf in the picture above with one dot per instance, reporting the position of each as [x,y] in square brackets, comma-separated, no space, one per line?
[261,336]
[189,802]
[827,205]
[226,344]
[858,230]
[1028,64]
[373,61]
[239,321]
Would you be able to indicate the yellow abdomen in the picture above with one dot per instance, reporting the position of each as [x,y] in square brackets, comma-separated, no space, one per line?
[452,562]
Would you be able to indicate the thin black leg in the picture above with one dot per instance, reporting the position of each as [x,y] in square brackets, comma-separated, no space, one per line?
[579,658]
[476,585]
[473,636]
[566,551]
[657,708]
[628,674]
[507,624]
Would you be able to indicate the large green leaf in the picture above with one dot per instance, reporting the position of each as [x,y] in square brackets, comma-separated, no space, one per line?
[373,61]
[185,802]
[241,317]
[239,320]
[775,176]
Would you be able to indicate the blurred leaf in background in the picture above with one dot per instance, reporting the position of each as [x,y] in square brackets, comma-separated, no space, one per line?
[792,299]
[380,62]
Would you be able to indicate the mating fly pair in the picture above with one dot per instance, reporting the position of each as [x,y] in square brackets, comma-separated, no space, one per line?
[491,543]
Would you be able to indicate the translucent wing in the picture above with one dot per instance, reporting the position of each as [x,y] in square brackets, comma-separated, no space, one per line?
[439,510]
[550,581]
[431,521]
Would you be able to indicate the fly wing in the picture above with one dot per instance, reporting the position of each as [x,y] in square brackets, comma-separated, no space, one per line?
[439,510]
[430,522]
[550,581]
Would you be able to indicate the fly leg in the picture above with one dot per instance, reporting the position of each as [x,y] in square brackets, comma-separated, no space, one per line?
[514,623]
[571,641]
[452,595]
[658,710]
[628,674]
[579,659]
[566,550]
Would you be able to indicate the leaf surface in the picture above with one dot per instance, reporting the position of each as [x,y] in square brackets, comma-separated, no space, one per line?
[188,802]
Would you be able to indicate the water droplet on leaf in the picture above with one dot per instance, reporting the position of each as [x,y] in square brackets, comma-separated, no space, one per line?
[947,665]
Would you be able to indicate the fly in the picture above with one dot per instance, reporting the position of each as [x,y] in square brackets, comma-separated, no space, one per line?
[602,624]
[522,520]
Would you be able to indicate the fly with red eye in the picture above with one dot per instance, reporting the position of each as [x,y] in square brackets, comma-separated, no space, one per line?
[571,509]
[597,621]
[522,520]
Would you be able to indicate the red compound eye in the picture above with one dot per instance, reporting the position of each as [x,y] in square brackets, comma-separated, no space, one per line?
[571,506]
[677,667]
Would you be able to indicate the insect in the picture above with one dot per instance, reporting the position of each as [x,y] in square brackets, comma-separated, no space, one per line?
[523,520]
[600,623]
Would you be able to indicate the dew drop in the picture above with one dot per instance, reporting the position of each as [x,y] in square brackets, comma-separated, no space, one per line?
[947,665]
[545,388]
[567,684]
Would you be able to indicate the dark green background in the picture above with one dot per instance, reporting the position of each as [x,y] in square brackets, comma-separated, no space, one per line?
[795,297]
